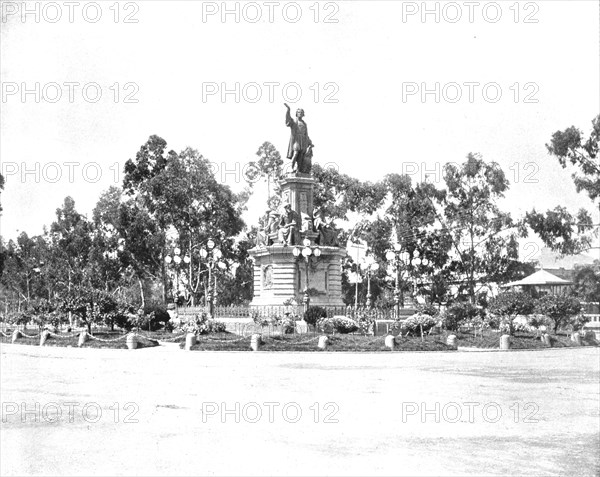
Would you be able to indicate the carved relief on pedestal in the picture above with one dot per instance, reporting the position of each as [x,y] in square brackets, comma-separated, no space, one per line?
[303,203]
[267,277]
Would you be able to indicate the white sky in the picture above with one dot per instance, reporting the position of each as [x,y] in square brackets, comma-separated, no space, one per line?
[369,54]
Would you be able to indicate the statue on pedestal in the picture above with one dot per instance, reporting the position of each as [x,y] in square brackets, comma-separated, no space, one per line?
[270,227]
[324,226]
[300,146]
[288,227]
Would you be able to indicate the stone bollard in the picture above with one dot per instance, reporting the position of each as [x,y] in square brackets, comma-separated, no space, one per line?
[323,342]
[131,341]
[83,337]
[546,339]
[190,340]
[588,335]
[390,342]
[451,341]
[255,342]
[576,338]
[16,335]
[505,342]
[43,337]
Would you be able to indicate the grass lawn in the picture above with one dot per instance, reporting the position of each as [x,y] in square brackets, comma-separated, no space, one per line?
[308,342]
[520,340]
[66,340]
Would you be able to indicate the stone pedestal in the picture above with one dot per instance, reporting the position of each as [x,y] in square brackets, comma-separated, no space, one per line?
[279,275]
[298,190]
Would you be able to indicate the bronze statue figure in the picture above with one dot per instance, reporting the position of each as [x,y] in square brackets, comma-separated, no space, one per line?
[325,227]
[270,224]
[300,146]
[288,227]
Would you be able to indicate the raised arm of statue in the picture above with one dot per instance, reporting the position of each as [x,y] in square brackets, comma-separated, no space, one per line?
[288,117]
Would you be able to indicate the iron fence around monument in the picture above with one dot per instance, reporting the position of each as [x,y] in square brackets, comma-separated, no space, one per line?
[267,311]
[266,320]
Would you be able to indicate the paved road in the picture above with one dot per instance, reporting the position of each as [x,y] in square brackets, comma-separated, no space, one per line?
[515,413]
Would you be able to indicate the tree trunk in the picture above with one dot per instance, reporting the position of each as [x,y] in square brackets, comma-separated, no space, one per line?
[69,292]
[164,275]
[142,297]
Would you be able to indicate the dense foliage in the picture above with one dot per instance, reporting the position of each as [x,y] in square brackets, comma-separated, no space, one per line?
[417,325]
[337,324]
[459,314]
[559,308]
[314,314]
[118,268]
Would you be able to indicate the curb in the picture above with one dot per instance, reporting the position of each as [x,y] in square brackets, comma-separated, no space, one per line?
[467,349]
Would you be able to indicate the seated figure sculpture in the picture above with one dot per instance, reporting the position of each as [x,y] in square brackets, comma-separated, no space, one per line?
[324,226]
[264,237]
[288,227]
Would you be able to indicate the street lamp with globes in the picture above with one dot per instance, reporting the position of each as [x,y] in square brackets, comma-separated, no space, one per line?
[370,266]
[400,259]
[416,262]
[209,253]
[213,257]
[176,259]
[306,252]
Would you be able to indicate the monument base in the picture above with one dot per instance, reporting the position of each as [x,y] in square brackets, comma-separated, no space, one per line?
[281,278]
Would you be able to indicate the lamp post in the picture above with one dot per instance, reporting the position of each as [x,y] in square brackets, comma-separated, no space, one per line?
[213,257]
[370,266]
[306,252]
[400,260]
[176,259]
[416,262]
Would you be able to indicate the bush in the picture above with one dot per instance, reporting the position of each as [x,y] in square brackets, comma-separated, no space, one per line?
[157,316]
[577,322]
[288,325]
[213,326]
[313,314]
[517,327]
[511,304]
[44,314]
[559,308]
[338,324]
[507,306]
[365,319]
[428,309]
[537,322]
[202,325]
[18,318]
[121,317]
[493,321]
[460,313]
[416,325]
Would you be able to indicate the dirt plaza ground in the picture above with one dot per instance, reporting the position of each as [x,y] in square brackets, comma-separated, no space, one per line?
[159,411]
